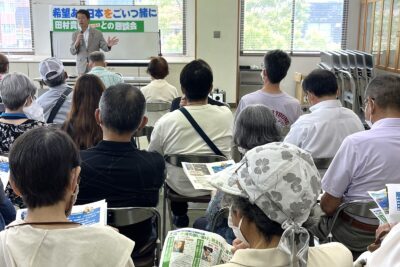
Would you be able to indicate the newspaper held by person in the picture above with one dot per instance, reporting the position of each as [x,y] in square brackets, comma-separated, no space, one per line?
[90,214]
[388,201]
[199,173]
[196,248]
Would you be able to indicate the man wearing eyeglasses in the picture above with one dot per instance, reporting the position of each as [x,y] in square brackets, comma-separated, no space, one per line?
[366,161]
[323,130]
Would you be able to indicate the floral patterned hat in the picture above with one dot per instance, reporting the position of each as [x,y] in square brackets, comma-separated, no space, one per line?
[282,180]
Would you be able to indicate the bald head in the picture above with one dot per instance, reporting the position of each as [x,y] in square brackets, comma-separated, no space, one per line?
[385,91]
[3,63]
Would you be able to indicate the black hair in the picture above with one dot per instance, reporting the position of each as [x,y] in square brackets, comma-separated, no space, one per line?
[320,83]
[196,80]
[254,214]
[385,90]
[122,107]
[84,12]
[56,81]
[276,64]
[3,63]
[158,68]
[41,161]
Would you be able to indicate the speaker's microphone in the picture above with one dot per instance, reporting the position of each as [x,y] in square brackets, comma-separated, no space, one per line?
[81,42]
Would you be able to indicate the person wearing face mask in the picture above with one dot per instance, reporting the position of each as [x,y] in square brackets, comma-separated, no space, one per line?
[366,161]
[17,92]
[322,131]
[49,191]
[255,126]
[271,192]
[21,110]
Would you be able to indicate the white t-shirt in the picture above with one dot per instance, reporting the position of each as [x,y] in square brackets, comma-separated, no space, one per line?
[285,108]
[81,246]
[158,91]
[323,130]
[173,134]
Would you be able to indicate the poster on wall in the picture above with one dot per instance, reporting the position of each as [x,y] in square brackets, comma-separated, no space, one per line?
[106,18]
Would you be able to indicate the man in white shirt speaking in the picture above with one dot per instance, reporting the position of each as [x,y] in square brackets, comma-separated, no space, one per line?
[323,130]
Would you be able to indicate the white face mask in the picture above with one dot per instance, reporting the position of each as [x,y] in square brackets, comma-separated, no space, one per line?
[368,122]
[73,200]
[262,75]
[236,229]
[242,150]
[34,111]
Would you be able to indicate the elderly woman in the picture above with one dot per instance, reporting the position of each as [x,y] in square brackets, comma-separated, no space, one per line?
[49,187]
[21,111]
[255,126]
[272,191]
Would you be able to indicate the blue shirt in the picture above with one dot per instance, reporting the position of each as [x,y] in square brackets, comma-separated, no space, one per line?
[108,78]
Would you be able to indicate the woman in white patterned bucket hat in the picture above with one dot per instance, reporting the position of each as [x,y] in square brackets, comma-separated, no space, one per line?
[272,190]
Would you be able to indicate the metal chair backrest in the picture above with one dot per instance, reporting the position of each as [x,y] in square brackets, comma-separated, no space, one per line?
[221,214]
[125,216]
[355,208]
[157,106]
[177,160]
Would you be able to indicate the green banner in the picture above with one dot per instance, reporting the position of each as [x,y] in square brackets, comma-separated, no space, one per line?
[101,25]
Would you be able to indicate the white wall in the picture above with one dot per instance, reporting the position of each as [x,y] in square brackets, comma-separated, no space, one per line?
[221,53]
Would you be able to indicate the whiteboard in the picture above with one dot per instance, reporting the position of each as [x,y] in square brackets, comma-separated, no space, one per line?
[131,46]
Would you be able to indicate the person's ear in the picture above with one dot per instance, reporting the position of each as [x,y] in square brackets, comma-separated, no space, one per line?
[97,116]
[143,123]
[74,174]
[14,187]
[65,75]
[211,87]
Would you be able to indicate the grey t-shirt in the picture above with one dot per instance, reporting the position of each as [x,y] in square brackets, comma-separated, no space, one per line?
[49,99]
[285,108]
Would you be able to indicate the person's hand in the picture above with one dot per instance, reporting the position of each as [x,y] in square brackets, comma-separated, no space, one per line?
[183,101]
[112,41]
[79,37]
[238,244]
[383,230]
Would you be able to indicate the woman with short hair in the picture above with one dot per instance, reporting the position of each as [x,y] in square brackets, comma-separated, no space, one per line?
[255,126]
[272,191]
[49,185]
[21,110]
[81,124]
[158,90]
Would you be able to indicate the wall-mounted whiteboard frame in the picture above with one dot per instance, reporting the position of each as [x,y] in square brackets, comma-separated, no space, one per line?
[131,46]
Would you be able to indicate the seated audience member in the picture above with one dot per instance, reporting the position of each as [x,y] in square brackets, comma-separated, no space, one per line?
[387,251]
[285,107]
[272,191]
[18,94]
[365,162]
[159,90]
[4,65]
[49,185]
[255,126]
[115,169]
[181,102]
[81,124]
[97,66]
[7,211]
[322,131]
[174,134]
[56,102]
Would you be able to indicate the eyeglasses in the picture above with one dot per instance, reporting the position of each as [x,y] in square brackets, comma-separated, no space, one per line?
[365,103]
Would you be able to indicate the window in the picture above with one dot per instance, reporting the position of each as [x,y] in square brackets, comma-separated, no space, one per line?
[15,26]
[293,25]
[171,21]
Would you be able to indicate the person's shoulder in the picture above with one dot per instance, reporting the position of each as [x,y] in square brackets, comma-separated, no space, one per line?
[333,254]
[33,123]
[291,99]
[151,155]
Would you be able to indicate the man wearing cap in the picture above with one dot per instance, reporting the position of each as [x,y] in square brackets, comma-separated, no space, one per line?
[272,191]
[88,40]
[56,102]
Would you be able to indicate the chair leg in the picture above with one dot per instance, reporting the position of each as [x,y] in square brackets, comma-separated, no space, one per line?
[164,218]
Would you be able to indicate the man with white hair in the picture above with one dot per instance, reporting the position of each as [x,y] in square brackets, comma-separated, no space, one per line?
[97,66]
[56,102]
